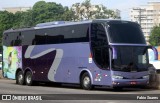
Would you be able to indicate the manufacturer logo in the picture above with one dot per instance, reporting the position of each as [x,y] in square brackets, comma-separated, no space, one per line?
[6,97]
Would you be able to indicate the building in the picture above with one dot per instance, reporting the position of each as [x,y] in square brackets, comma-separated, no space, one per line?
[147,16]
[15,9]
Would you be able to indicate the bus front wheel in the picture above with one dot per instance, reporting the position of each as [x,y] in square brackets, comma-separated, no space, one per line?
[86,82]
[28,78]
[20,78]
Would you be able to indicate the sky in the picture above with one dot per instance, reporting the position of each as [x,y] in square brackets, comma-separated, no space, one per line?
[122,5]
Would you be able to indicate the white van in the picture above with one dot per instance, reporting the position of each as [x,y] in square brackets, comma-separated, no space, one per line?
[156,63]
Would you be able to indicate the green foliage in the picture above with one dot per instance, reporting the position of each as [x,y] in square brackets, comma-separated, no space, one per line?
[6,22]
[154,38]
[23,19]
[68,14]
[46,12]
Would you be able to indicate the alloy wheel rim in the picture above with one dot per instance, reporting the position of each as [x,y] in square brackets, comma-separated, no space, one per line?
[28,79]
[20,78]
[86,81]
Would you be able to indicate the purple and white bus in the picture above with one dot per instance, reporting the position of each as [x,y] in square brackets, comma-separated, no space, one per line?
[92,53]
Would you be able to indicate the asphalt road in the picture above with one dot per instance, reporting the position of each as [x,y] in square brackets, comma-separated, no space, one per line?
[74,94]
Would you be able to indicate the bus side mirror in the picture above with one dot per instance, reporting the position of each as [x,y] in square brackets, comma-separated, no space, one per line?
[155,52]
[114,52]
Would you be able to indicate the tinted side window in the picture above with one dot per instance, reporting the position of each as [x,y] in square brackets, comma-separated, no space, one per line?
[99,45]
[5,40]
[18,40]
[76,33]
[27,37]
[70,34]
[98,35]
[54,35]
[63,34]
[40,37]
[12,39]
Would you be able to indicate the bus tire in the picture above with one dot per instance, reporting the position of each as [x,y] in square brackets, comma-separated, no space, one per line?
[155,84]
[20,78]
[29,79]
[86,82]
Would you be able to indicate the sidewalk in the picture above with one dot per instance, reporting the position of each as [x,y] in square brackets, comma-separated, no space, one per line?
[1,74]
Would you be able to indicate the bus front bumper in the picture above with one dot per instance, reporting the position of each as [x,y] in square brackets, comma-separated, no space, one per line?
[129,83]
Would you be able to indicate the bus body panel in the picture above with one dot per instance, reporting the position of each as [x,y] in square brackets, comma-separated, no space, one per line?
[73,61]
[72,64]
[61,53]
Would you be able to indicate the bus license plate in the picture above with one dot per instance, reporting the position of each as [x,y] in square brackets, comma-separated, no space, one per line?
[133,83]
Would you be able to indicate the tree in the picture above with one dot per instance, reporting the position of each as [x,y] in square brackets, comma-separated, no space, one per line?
[23,19]
[46,12]
[154,38]
[6,22]
[68,14]
[76,8]
[103,13]
[42,12]
[27,19]
[86,10]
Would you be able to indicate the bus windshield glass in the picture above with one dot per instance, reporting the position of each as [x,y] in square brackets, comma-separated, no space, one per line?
[130,58]
[125,32]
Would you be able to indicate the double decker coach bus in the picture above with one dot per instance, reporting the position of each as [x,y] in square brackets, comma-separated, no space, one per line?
[90,53]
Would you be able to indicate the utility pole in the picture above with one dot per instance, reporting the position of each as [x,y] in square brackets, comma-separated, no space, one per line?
[140,16]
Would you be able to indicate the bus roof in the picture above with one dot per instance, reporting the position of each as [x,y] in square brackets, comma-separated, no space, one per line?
[61,24]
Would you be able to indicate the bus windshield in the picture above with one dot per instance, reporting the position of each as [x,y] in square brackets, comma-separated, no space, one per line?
[130,58]
[125,32]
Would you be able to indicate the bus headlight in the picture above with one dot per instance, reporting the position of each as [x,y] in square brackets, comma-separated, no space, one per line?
[146,77]
[117,77]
